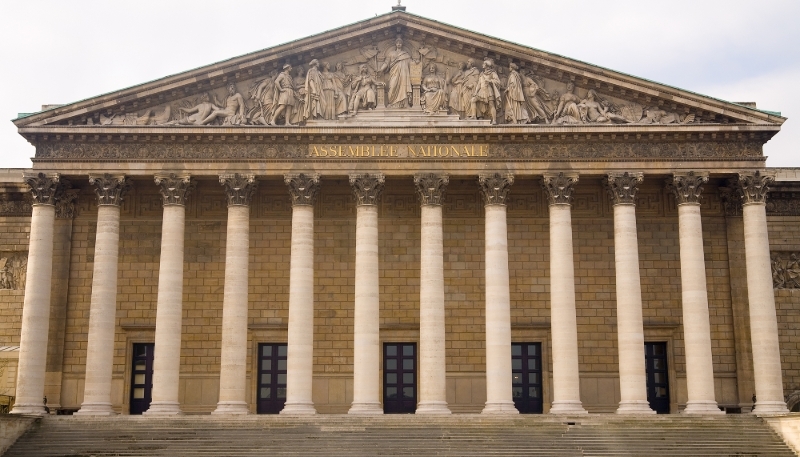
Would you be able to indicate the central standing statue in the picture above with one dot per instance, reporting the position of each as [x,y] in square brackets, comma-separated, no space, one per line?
[398,62]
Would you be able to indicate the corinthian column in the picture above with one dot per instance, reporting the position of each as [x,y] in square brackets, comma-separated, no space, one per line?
[563,321]
[36,305]
[233,367]
[366,350]
[432,367]
[753,188]
[300,357]
[694,295]
[622,189]
[169,309]
[103,308]
[499,400]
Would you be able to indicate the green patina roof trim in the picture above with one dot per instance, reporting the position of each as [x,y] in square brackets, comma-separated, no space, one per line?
[24,115]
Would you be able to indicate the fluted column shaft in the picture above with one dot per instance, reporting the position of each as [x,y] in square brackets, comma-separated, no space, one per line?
[760,293]
[103,307]
[432,362]
[300,355]
[622,189]
[366,332]
[563,319]
[36,305]
[233,356]
[499,399]
[169,307]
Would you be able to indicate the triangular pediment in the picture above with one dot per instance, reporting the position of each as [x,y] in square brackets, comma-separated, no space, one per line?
[367,70]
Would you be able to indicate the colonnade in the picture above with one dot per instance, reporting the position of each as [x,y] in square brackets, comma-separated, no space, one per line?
[430,189]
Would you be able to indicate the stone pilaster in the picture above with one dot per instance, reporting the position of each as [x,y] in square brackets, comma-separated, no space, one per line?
[753,188]
[300,358]
[430,189]
[110,191]
[622,188]
[169,309]
[499,400]
[233,373]
[366,350]
[563,319]
[694,295]
[36,305]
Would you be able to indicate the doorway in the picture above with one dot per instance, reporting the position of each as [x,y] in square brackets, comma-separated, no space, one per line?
[657,377]
[271,378]
[399,378]
[526,377]
[141,377]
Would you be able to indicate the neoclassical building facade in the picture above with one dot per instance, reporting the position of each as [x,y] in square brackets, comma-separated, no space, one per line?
[401,216]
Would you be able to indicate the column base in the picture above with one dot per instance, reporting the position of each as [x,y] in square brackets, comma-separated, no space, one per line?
[433,408]
[766,408]
[299,409]
[365,409]
[702,407]
[231,408]
[29,410]
[163,408]
[567,407]
[634,407]
[500,408]
[95,409]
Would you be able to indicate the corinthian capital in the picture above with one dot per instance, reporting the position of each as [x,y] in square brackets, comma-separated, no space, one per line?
[753,187]
[367,188]
[559,188]
[43,187]
[239,188]
[65,200]
[495,187]
[622,187]
[174,189]
[430,188]
[731,199]
[110,189]
[687,187]
[303,188]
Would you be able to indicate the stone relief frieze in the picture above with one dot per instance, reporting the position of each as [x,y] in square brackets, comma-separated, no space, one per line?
[401,74]
[15,204]
[529,150]
[13,270]
[783,203]
[785,270]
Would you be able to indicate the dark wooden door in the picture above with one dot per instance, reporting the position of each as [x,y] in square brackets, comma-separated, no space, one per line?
[655,355]
[526,377]
[399,378]
[271,378]
[141,377]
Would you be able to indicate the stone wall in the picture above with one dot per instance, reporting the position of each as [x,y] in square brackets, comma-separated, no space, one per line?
[784,237]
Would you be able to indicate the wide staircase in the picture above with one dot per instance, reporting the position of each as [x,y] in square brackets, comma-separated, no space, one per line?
[458,435]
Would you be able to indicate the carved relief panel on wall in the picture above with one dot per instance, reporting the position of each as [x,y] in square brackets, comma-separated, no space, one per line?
[406,72]
[785,270]
[13,270]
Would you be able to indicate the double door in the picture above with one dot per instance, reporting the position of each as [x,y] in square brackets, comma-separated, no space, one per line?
[271,393]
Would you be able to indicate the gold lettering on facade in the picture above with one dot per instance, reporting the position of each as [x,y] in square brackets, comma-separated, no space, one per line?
[410,151]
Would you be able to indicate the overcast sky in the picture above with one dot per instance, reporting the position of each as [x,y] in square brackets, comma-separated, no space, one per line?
[57,51]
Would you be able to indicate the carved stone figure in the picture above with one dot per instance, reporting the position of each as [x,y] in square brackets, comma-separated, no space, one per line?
[456,86]
[471,75]
[263,93]
[515,111]
[315,102]
[300,87]
[434,92]
[567,111]
[334,102]
[397,62]
[535,97]
[233,111]
[342,81]
[286,97]
[487,97]
[655,115]
[13,271]
[785,270]
[592,110]
[364,95]
[196,114]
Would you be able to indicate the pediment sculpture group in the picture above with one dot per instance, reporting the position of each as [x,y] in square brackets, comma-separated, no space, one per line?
[294,96]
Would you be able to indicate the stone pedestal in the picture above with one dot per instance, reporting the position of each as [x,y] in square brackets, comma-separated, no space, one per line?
[563,320]
[432,364]
[760,293]
[36,305]
[366,333]
[169,310]
[622,189]
[498,296]
[300,357]
[233,367]
[103,307]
